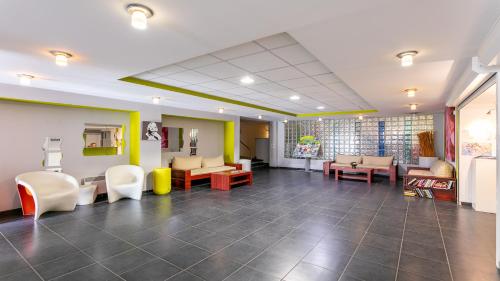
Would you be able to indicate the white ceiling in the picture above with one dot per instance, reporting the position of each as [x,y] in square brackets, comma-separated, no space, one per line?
[281,68]
[355,39]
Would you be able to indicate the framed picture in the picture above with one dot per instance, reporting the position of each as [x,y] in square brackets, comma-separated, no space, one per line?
[151,131]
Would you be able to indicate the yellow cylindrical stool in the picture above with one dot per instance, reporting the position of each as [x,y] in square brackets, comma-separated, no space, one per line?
[162,181]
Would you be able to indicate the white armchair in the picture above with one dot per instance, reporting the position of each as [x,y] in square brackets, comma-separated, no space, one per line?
[44,191]
[124,181]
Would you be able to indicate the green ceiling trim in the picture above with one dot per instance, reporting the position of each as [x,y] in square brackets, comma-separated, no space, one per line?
[200,94]
[62,104]
[322,114]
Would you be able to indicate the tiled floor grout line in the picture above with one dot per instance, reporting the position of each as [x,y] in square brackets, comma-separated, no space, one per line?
[402,239]
[442,239]
[363,237]
[352,207]
[81,251]
[22,257]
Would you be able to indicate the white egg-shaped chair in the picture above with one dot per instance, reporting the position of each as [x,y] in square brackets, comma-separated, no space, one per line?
[44,191]
[124,181]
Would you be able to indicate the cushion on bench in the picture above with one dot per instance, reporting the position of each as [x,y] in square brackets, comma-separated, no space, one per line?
[201,171]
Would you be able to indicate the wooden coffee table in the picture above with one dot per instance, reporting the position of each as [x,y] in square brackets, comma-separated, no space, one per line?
[224,180]
[365,174]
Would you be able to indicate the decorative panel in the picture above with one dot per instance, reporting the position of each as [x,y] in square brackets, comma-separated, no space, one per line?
[395,136]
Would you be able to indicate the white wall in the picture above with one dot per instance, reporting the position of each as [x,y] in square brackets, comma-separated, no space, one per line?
[210,137]
[150,151]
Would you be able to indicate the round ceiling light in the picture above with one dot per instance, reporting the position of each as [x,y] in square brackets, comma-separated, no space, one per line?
[410,92]
[413,107]
[320,119]
[407,58]
[247,80]
[320,107]
[139,15]
[295,97]
[360,117]
[61,57]
[221,110]
[25,79]
[285,121]
[156,100]
[260,116]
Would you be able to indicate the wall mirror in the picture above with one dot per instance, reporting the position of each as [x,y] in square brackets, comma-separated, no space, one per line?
[102,139]
[172,139]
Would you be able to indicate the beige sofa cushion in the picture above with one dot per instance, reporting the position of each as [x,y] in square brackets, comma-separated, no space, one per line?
[379,161]
[201,171]
[347,159]
[441,168]
[333,165]
[374,167]
[420,173]
[186,163]
[212,162]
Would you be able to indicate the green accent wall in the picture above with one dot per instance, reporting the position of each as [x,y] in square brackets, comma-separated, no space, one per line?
[99,151]
[135,138]
[333,113]
[229,141]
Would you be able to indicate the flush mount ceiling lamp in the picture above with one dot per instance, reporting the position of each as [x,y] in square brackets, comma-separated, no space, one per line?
[61,57]
[139,15]
[407,58]
[320,107]
[247,80]
[320,119]
[410,92]
[360,117]
[221,110]
[156,100]
[295,97]
[260,116]
[285,121]
[413,107]
[25,79]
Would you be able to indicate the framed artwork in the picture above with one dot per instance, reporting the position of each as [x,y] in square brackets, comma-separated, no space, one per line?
[449,133]
[151,131]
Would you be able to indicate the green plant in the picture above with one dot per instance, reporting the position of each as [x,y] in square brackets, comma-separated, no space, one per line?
[308,140]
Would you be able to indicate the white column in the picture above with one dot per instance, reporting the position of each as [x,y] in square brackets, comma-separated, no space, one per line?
[498,171]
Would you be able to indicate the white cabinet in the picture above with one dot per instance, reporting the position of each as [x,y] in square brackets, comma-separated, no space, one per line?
[483,183]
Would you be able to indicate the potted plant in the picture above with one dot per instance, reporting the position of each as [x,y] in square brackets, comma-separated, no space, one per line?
[427,154]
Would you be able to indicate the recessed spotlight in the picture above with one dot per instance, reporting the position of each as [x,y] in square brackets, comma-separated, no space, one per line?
[410,92]
[139,15]
[61,57]
[221,110]
[360,117]
[295,97]
[260,116]
[413,107]
[320,119]
[247,80]
[407,58]
[285,121]
[25,79]
[156,100]
[320,107]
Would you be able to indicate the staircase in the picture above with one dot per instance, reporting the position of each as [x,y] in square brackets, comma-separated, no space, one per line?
[259,164]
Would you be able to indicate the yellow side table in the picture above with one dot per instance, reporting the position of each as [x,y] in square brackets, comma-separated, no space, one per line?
[162,181]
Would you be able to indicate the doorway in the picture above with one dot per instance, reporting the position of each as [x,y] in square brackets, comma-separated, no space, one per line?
[254,142]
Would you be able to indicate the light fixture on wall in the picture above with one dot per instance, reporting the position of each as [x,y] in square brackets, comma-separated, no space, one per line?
[61,57]
[295,97]
[221,110]
[320,107]
[407,58]
[413,107]
[139,15]
[156,100]
[320,119]
[360,117]
[285,121]
[411,92]
[260,116]
[25,79]
[247,80]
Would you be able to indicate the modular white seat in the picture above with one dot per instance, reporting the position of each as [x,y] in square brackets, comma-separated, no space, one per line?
[124,181]
[47,191]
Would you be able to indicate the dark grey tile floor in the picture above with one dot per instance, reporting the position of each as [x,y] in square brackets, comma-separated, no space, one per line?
[289,225]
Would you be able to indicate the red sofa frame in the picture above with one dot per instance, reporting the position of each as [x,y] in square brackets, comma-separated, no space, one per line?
[392,171]
[183,178]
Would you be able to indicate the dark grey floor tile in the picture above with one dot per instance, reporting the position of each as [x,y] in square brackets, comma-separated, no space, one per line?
[186,256]
[430,239]
[406,276]
[156,270]
[191,234]
[383,242]
[377,255]
[124,261]
[327,258]
[93,272]
[215,268]
[241,252]
[424,251]
[249,274]
[292,247]
[342,246]
[274,264]
[392,232]
[101,250]
[23,275]
[185,276]
[163,246]
[141,237]
[369,271]
[214,242]
[307,271]
[428,268]
[10,261]
[63,265]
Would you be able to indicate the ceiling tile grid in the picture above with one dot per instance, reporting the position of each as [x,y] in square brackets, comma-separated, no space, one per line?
[280,66]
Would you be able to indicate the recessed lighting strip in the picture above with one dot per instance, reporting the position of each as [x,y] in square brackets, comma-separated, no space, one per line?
[166,87]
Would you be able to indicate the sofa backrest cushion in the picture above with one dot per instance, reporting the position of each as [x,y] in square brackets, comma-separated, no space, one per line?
[441,168]
[382,161]
[347,159]
[212,162]
[186,163]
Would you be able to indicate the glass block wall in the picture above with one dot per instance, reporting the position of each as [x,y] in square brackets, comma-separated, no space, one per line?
[371,136]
